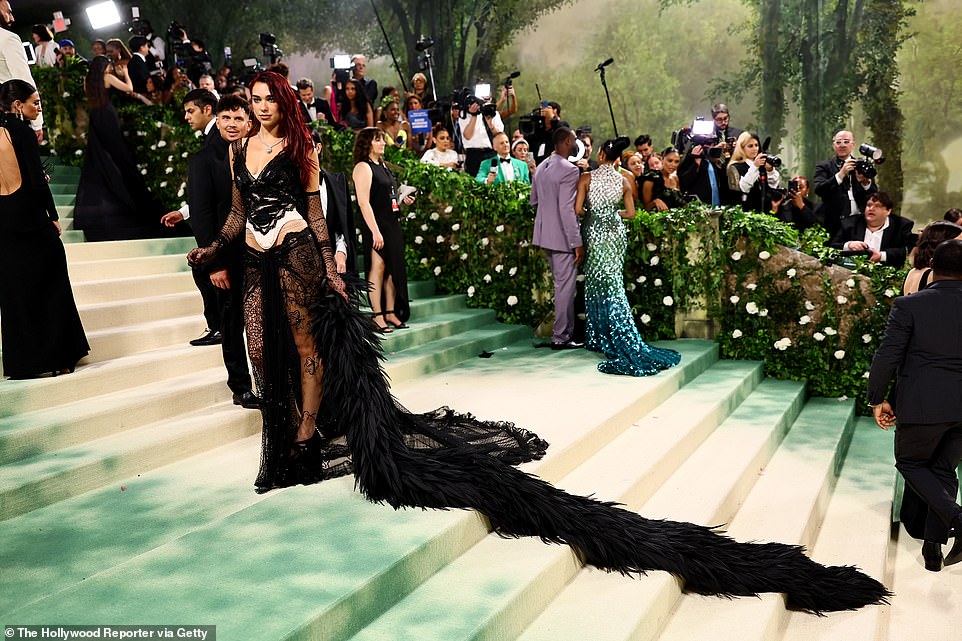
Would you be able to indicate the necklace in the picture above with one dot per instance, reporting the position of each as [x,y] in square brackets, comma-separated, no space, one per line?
[270,148]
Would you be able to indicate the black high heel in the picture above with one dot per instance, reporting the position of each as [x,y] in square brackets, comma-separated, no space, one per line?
[401,325]
[377,328]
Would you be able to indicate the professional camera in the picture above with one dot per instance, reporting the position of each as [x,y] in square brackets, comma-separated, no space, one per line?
[530,123]
[509,81]
[342,65]
[771,159]
[424,43]
[272,52]
[140,27]
[465,98]
[793,186]
[701,132]
[872,156]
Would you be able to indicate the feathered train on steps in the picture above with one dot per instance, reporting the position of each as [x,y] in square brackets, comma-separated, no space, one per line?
[448,460]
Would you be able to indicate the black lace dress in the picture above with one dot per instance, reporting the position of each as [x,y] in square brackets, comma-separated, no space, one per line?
[41,328]
[444,459]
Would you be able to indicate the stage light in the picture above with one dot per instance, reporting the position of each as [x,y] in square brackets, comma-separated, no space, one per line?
[103,14]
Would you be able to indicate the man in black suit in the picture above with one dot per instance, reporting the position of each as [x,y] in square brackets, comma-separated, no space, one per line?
[842,189]
[702,174]
[137,68]
[723,129]
[922,341]
[312,107]
[888,237]
[209,201]
[336,203]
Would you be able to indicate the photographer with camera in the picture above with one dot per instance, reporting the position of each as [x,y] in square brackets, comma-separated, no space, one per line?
[546,120]
[702,171]
[842,184]
[751,172]
[479,121]
[724,132]
[883,236]
[369,85]
[792,205]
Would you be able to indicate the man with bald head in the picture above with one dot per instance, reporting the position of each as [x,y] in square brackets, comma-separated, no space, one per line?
[842,189]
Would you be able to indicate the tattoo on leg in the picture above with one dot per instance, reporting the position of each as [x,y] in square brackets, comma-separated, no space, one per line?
[310,365]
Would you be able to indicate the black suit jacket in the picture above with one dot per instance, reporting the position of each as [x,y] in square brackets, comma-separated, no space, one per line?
[209,197]
[923,343]
[340,215]
[897,240]
[138,72]
[693,179]
[835,203]
[322,109]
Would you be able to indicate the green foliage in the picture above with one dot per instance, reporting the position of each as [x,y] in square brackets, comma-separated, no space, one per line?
[159,139]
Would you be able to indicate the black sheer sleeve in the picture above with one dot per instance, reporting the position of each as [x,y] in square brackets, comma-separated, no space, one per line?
[318,225]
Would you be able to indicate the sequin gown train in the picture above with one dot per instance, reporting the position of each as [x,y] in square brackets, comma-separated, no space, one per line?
[611,327]
[446,460]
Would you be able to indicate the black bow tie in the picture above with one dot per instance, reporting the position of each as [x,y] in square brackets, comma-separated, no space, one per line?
[506,160]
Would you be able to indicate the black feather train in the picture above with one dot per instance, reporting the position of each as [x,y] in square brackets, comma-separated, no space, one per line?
[458,471]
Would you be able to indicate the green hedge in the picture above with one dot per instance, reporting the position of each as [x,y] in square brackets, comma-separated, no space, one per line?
[805,320]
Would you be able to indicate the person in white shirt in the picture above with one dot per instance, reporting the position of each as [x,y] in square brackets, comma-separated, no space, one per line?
[886,238]
[13,59]
[477,132]
[46,47]
[442,154]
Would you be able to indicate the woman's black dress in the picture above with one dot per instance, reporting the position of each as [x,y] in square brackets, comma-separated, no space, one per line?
[41,328]
[113,202]
[444,459]
[672,197]
[383,195]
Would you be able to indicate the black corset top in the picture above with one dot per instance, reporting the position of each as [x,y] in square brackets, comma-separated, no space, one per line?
[274,191]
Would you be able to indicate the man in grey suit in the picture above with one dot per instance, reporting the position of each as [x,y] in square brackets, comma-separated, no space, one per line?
[923,341]
[557,233]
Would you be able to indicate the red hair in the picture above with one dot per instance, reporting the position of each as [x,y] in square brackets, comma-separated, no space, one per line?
[300,145]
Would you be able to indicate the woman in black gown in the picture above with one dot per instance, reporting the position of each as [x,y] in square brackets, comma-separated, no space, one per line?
[113,202]
[296,308]
[377,199]
[41,328]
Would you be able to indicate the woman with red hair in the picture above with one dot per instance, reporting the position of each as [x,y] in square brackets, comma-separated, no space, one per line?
[306,336]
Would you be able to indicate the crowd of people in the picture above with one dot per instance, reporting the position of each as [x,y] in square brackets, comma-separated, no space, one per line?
[276,242]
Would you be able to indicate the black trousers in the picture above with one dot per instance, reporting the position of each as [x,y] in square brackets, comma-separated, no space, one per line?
[208,294]
[473,158]
[230,304]
[927,456]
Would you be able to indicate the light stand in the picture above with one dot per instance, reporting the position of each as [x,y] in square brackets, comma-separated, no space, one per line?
[601,68]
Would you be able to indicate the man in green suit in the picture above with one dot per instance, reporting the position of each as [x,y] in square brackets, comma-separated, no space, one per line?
[503,168]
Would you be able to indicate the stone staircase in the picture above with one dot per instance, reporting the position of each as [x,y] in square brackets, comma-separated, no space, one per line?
[126,489]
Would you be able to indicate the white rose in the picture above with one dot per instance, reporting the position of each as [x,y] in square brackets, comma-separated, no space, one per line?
[434,215]
[819,336]
[79,152]
[464,256]
[890,292]
[751,307]
[763,312]
[455,226]
[424,261]
[783,343]
[197,134]
[470,291]
[437,270]
[143,172]
[850,282]
[651,247]
[455,247]
[180,192]
[183,155]
[655,260]
[162,143]
[424,227]
[499,228]
[487,278]
[734,300]
[865,375]
[841,300]
[163,184]
[580,278]
[657,282]
[485,241]
[805,320]
[668,301]
[512,271]
[764,255]
[830,331]
[737,333]
[751,286]
[153,147]
[418,240]
[642,279]
[512,301]
[840,354]
[439,240]
[866,338]
[170,159]
[632,287]
[645,318]
[737,256]
[169,170]
[499,268]
[809,306]
[66,94]
[411,215]
[791,273]
[448,209]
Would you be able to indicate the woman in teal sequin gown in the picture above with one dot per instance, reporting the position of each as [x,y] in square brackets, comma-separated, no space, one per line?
[611,327]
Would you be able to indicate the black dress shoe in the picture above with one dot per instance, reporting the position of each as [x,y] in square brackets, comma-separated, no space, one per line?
[955,554]
[567,345]
[212,337]
[932,555]
[248,400]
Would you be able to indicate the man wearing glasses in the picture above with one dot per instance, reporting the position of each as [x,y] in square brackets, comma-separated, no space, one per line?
[842,189]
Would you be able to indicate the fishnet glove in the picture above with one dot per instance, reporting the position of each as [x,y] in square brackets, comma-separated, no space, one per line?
[315,218]
[233,227]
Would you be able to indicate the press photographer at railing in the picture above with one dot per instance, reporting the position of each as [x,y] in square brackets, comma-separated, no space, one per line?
[478,122]
[751,173]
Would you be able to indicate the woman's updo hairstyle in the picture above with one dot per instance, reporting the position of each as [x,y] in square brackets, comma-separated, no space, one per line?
[13,90]
[613,147]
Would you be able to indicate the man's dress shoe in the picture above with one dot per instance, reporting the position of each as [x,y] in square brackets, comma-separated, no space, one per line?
[932,555]
[212,337]
[248,400]
[955,554]
[567,345]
